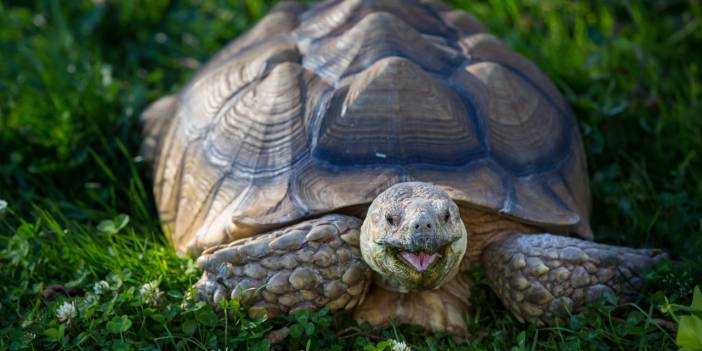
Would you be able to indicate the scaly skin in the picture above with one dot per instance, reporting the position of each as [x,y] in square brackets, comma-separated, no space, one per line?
[309,265]
[543,277]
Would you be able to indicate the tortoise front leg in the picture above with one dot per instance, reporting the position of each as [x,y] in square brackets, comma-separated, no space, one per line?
[310,265]
[541,278]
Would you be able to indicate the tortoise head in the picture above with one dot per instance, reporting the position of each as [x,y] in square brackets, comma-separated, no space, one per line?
[413,237]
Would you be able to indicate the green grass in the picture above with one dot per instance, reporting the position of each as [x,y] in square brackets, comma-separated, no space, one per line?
[74,76]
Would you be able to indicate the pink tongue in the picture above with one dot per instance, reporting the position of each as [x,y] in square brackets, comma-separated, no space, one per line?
[420,260]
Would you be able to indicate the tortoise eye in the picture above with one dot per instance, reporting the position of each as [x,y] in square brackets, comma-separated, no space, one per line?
[390,219]
[447,216]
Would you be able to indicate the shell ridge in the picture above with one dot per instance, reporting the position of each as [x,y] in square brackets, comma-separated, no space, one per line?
[207,225]
[165,155]
[179,188]
[230,102]
[211,197]
[315,124]
[207,72]
[298,116]
[557,198]
[561,152]
[533,84]
[468,100]
[384,32]
[261,127]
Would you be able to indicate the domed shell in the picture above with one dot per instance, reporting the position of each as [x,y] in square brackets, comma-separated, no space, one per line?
[322,108]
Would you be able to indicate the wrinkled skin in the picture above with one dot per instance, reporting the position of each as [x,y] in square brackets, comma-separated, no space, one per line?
[413,237]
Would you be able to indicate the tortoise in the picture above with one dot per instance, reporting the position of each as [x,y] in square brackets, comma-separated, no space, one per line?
[363,155]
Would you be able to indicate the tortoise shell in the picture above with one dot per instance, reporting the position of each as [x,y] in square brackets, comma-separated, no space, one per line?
[319,109]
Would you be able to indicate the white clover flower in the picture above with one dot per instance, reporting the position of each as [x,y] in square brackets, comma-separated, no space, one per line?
[100,287]
[66,312]
[400,346]
[39,21]
[106,72]
[151,293]
[188,298]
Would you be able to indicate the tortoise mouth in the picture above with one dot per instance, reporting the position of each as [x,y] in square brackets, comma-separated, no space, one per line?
[413,266]
[419,260]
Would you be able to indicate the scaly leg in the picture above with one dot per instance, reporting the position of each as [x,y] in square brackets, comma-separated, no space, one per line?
[309,265]
[541,278]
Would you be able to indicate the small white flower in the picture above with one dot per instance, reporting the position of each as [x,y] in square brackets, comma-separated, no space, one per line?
[187,299]
[106,72]
[151,293]
[161,37]
[100,287]
[400,346]
[92,185]
[39,20]
[66,312]
[3,206]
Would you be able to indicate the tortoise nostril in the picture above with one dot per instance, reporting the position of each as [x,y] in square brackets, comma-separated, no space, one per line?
[420,225]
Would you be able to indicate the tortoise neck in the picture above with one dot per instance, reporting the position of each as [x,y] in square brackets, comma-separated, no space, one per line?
[484,228]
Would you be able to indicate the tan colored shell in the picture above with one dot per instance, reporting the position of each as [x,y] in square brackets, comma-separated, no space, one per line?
[319,109]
